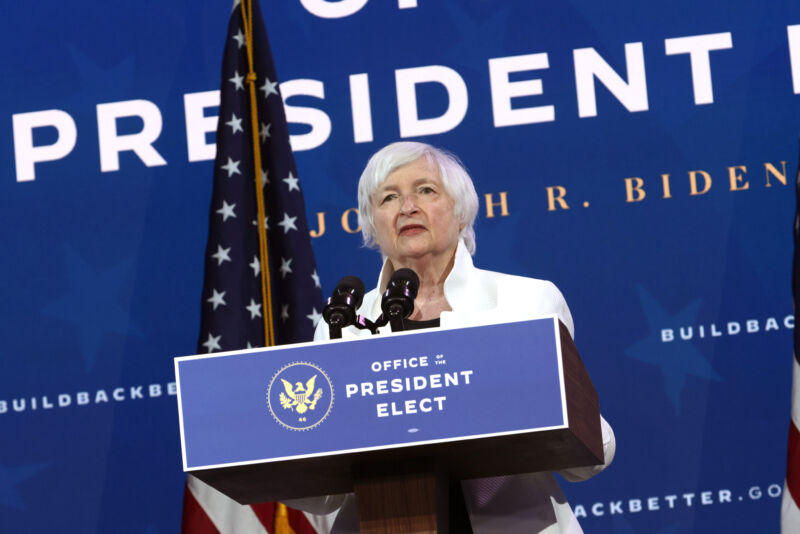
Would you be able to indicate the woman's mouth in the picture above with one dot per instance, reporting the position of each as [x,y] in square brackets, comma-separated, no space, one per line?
[411,229]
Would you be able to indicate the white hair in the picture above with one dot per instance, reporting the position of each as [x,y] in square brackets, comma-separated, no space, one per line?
[454,177]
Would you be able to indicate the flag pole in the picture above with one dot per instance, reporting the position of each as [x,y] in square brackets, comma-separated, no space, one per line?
[280,521]
[266,292]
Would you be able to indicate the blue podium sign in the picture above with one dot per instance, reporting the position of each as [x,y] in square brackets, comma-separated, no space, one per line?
[343,396]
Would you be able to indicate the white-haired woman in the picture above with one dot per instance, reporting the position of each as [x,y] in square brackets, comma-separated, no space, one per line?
[417,205]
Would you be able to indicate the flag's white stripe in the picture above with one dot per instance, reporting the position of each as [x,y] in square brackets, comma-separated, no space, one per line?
[796,395]
[228,516]
[321,523]
[790,514]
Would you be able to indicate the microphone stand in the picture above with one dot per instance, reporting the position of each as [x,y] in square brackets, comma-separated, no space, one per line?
[396,317]
[361,322]
[335,326]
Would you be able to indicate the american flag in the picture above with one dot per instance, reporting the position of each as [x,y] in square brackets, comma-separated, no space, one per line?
[232,301]
[790,510]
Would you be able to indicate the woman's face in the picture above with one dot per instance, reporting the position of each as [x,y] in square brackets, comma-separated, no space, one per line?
[413,214]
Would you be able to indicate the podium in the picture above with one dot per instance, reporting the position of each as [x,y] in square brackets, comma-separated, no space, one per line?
[389,417]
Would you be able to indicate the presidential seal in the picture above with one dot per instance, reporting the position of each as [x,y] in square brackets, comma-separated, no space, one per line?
[300,396]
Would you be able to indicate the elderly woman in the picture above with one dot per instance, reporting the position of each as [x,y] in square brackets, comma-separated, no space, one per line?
[417,204]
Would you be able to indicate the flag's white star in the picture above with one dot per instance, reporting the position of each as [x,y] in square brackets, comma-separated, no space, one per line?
[239,38]
[232,167]
[254,309]
[269,88]
[266,223]
[285,269]
[291,181]
[315,316]
[217,299]
[226,211]
[213,342]
[221,255]
[284,312]
[249,345]
[287,223]
[256,266]
[235,123]
[315,277]
[235,4]
[237,80]
[264,178]
[264,132]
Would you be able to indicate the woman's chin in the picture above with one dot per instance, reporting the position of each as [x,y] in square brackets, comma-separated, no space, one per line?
[416,252]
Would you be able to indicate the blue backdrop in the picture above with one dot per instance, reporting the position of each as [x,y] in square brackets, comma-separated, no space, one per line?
[641,156]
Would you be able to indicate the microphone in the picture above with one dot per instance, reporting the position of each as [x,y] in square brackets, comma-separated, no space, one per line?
[398,299]
[340,310]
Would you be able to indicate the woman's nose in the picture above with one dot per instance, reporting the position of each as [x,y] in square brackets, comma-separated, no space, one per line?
[408,205]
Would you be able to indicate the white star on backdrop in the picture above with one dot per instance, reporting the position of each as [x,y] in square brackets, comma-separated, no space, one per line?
[217,299]
[235,123]
[232,167]
[287,223]
[256,266]
[315,277]
[284,312]
[213,342]
[237,80]
[264,177]
[291,180]
[239,38]
[264,132]
[315,316]
[221,255]
[226,211]
[285,269]
[269,88]
[254,308]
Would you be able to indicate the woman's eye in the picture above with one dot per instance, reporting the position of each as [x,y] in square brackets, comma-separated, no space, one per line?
[426,190]
[388,198]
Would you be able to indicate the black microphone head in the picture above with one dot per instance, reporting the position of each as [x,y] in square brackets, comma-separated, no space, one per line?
[408,278]
[398,299]
[355,287]
[351,288]
[341,308]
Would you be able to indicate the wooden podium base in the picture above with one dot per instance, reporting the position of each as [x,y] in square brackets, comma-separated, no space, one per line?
[411,502]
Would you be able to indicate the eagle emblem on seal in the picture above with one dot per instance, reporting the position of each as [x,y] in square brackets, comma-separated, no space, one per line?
[300,397]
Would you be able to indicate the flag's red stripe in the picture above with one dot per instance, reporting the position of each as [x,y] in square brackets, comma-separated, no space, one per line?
[195,519]
[265,511]
[793,464]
